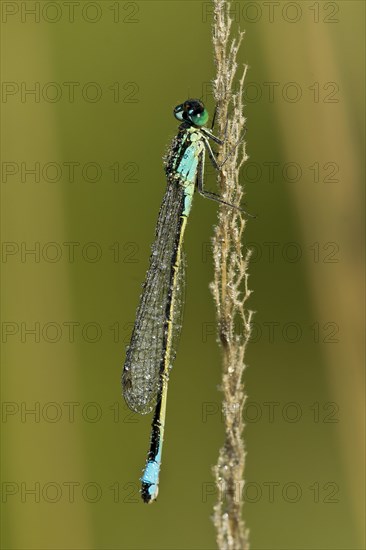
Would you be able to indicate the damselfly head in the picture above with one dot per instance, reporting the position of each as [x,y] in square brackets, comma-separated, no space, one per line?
[193,111]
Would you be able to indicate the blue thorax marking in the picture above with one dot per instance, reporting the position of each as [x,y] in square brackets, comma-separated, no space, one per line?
[188,165]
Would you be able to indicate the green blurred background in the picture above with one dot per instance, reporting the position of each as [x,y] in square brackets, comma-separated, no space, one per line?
[106,76]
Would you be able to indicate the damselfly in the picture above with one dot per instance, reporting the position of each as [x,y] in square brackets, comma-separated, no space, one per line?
[154,338]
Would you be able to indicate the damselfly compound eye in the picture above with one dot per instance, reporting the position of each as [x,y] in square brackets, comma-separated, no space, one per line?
[196,112]
[199,119]
[178,111]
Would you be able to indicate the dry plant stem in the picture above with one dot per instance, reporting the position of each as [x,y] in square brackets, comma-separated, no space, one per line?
[230,285]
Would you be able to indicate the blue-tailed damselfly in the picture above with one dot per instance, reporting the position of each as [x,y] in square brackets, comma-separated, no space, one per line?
[153,343]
